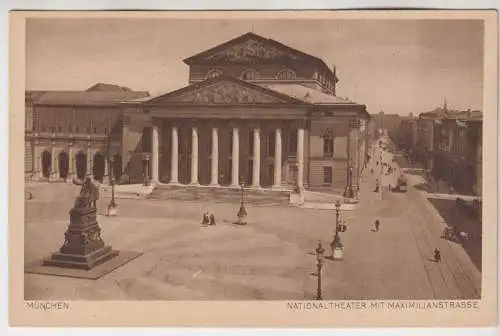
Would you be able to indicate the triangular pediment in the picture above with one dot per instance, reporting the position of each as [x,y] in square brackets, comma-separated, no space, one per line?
[223,91]
[248,48]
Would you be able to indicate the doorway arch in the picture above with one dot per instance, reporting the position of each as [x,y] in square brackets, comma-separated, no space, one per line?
[99,166]
[81,165]
[63,165]
[46,163]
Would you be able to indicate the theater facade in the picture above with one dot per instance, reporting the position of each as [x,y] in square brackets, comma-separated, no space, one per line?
[255,111]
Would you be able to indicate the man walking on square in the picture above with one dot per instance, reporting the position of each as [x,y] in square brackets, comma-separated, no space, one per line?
[377,225]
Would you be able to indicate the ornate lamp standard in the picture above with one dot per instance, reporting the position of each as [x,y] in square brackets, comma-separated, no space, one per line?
[349,191]
[112,204]
[242,212]
[319,266]
[336,244]
[147,180]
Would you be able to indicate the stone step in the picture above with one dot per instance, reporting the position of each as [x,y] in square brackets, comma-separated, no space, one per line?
[322,197]
[261,196]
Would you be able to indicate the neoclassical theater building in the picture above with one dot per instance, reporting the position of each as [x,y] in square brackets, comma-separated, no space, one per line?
[254,111]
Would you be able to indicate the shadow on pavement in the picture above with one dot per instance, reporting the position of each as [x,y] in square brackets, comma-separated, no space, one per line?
[455,218]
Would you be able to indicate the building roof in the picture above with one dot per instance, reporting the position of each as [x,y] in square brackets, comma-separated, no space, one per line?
[292,93]
[31,96]
[306,94]
[443,113]
[82,97]
[104,87]
[274,43]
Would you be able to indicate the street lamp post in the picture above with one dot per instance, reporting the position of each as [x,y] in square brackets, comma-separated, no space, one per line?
[349,192]
[242,212]
[336,244]
[147,180]
[112,205]
[319,266]
[380,182]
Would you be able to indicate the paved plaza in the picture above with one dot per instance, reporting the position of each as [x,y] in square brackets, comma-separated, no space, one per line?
[268,259]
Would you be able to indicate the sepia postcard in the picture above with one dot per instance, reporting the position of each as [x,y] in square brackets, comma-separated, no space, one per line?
[253,169]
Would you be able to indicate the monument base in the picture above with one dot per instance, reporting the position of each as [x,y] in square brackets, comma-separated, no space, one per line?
[86,262]
[98,271]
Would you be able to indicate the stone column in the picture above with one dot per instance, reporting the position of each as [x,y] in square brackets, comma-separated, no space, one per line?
[277,159]
[155,155]
[105,178]
[54,170]
[215,157]
[256,158]
[37,157]
[300,158]
[194,156]
[90,159]
[354,131]
[235,162]
[174,162]
[71,163]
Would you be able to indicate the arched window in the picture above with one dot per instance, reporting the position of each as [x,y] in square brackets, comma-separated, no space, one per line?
[249,74]
[214,73]
[286,74]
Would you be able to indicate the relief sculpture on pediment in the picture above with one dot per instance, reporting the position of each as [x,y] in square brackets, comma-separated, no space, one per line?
[249,50]
[226,93]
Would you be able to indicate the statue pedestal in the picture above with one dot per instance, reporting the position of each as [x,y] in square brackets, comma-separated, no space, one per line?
[83,246]
[83,254]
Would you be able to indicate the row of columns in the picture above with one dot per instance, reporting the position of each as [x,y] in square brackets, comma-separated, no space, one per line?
[174,169]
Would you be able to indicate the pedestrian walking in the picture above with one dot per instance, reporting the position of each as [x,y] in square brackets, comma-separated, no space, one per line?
[377,225]
[212,219]
[437,255]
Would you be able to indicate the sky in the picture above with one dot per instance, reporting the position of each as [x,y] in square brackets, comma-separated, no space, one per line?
[395,66]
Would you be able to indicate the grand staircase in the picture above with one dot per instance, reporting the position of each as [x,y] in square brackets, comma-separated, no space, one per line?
[263,197]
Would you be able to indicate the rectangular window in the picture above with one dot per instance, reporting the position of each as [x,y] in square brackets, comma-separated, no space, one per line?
[328,147]
[59,128]
[327,175]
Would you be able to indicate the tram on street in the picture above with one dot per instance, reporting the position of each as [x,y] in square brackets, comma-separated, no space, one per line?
[402,185]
